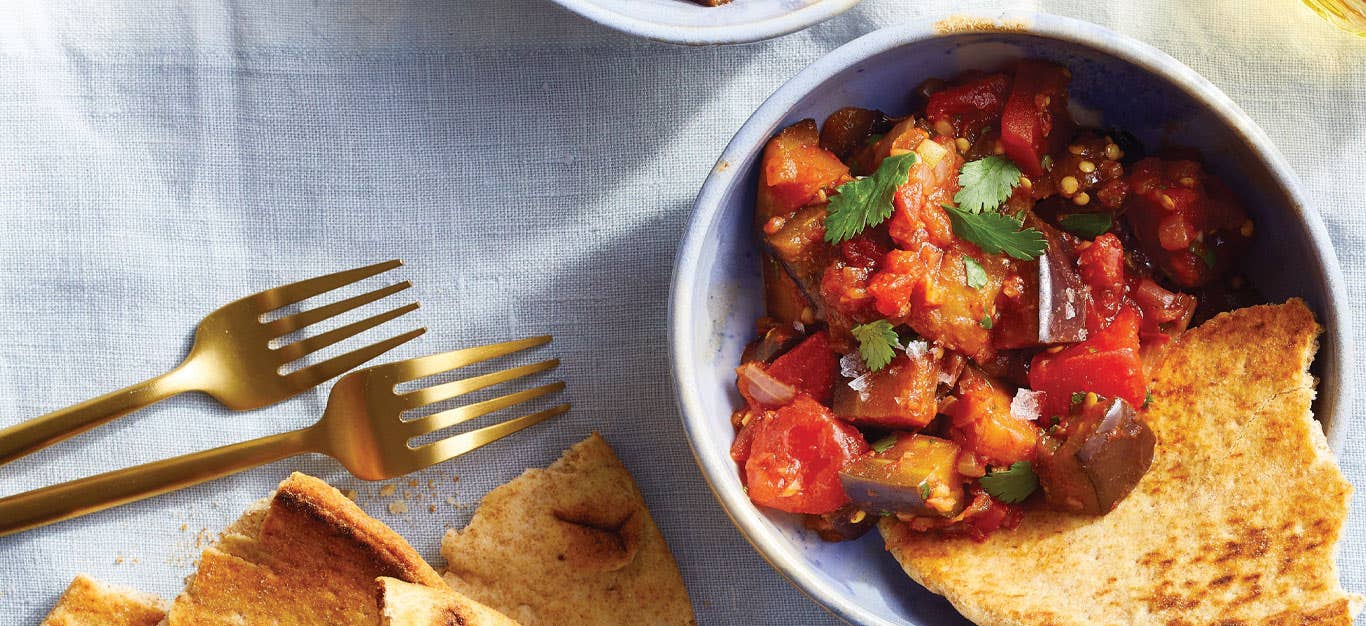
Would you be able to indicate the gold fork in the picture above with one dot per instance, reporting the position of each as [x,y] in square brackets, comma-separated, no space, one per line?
[362,426]
[233,361]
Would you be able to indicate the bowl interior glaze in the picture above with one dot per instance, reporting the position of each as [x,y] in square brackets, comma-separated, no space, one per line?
[717,291]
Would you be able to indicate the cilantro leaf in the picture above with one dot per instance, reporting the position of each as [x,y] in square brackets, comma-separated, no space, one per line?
[986,322]
[1147,399]
[975,274]
[925,491]
[1012,485]
[866,202]
[1078,397]
[985,183]
[884,444]
[1087,225]
[995,233]
[875,343]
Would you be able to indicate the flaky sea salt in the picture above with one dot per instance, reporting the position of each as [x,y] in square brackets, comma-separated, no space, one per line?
[1025,405]
[917,348]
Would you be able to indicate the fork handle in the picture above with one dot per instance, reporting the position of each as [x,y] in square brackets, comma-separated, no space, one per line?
[41,507]
[40,432]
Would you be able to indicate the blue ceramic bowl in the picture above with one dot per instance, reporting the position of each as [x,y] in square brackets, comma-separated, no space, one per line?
[686,22]
[717,293]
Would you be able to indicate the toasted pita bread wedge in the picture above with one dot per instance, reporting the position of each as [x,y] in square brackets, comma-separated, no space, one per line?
[89,602]
[1236,522]
[308,555]
[571,544]
[406,604]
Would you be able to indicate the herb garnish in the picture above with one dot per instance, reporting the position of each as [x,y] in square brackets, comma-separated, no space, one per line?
[875,343]
[985,183]
[1011,485]
[884,444]
[995,233]
[866,202]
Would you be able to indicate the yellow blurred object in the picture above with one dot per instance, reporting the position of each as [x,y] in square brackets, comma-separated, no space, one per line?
[1349,15]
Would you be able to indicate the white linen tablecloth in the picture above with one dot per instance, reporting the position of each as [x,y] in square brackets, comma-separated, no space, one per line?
[534,170]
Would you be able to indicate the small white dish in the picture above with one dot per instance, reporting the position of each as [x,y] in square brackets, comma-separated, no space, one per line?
[689,23]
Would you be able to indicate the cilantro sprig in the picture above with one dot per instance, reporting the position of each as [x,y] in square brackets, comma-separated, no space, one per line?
[986,183]
[861,204]
[995,233]
[876,343]
[1011,485]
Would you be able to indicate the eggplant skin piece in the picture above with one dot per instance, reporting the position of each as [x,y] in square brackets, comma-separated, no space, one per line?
[917,475]
[1108,452]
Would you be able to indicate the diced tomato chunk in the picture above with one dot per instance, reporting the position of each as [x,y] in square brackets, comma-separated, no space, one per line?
[796,455]
[811,367]
[1101,264]
[1108,364]
[1035,121]
[1186,220]
[969,106]
[980,421]
[794,169]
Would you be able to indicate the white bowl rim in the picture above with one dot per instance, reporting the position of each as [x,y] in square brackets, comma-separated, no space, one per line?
[713,459]
[746,32]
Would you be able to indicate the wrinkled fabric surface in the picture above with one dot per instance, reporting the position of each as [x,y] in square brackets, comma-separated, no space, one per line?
[535,172]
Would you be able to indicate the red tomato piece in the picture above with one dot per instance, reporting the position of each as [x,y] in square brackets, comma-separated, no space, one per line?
[1101,264]
[1108,363]
[1186,220]
[811,367]
[796,455]
[969,106]
[1035,121]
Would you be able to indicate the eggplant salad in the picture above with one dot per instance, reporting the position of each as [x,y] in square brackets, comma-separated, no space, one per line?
[964,307]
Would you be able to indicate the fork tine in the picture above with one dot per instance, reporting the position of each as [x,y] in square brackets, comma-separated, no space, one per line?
[422,367]
[314,374]
[446,391]
[291,323]
[309,345]
[272,299]
[460,415]
[451,447]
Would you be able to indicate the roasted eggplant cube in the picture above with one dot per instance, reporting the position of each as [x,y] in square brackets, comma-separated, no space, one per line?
[917,475]
[901,396]
[799,248]
[1107,452]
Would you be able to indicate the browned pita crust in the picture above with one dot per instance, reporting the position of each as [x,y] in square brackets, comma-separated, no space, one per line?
[309,556]
[89,602]
[406,604]
[571,544]
[1237,522]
